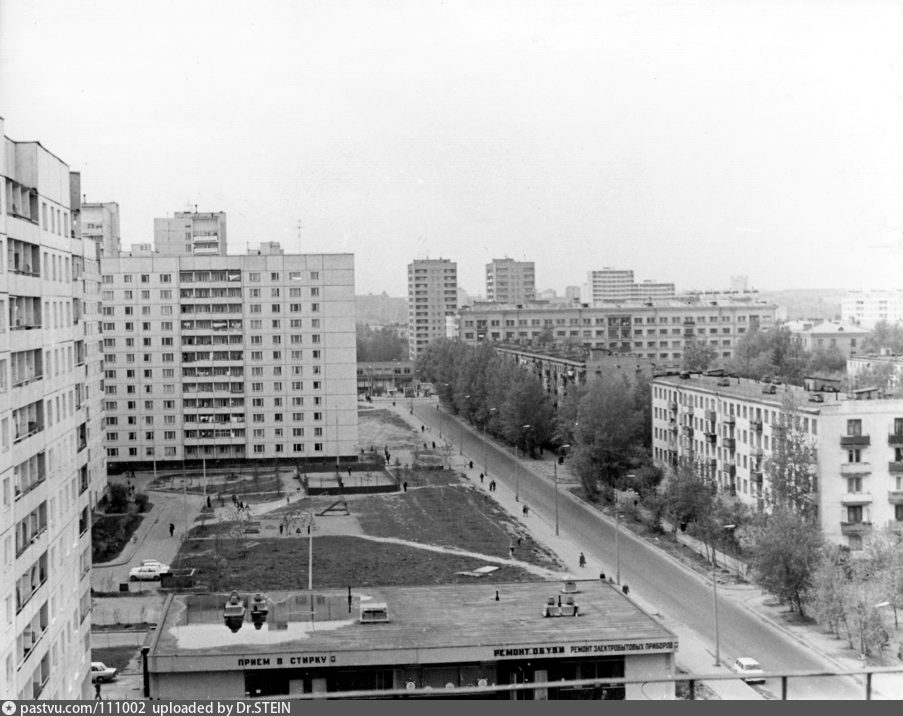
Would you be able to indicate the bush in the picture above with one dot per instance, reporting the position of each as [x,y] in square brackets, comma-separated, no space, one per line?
[142,502]
[119,498]
[109,534]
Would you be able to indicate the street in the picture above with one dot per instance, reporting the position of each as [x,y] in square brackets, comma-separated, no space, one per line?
[678,594]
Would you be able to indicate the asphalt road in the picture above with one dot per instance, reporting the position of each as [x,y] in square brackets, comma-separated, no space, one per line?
[677,593]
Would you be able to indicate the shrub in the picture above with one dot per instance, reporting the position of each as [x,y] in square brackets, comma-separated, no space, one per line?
[141,502]
[119,498]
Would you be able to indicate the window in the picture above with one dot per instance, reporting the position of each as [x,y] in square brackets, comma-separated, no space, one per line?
[854,514]
[854,485]
[854,427]
[854,455]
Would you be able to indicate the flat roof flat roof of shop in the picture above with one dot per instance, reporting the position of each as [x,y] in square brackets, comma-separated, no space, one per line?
[419,618]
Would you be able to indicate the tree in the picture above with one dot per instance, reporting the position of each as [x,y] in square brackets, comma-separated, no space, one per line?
[698,356]
[881,375]
[119,498]
[791,469]
[527,413]
[785,556]
[826,360]
[379,344]
[608,434]
[829,585]
[884,336]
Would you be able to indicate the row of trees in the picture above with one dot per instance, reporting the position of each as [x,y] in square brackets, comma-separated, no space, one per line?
[379,344]
[772,352]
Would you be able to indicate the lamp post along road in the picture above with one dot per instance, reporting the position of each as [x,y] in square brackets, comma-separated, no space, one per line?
[555,468]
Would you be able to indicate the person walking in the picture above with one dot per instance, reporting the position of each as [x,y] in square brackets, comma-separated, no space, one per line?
[97,696]
[172,529]
[481,478]
[582,560]
[526,510]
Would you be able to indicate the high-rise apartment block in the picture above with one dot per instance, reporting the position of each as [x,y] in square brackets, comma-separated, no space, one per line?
[229,357]
[52,469]
[728,428]
[100,224]
[510,281]
[432,296]
[611,284]
[190,233]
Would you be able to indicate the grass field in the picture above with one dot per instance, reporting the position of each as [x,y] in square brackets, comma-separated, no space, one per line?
[281,564]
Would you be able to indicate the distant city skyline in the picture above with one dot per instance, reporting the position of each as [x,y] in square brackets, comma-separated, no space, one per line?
[688,142]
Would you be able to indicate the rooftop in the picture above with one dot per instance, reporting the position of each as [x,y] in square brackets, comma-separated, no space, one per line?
[422,618]
[741,388]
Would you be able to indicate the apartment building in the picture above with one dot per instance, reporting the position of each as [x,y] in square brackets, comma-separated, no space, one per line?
[869,306]
[610,284]
[510,281]
[229,358]
[432,295]
[51,463]
[100,224]
[191,233]
[728,426]
[654,330]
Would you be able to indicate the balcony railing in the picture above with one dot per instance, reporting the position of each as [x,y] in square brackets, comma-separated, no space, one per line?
[855,468]
[755,425]
[730,443]
[728,420]
[710,415]
[895,439]
[855,528]
[854,440]
[895,497]
[856,498]
[895,466]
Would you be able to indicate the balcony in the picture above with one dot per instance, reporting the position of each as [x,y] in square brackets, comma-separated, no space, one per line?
[854,440]
[672,406]
[756,476]
[856,468]
[730,470]
[895,466]
[895,497]
[730,443]
[895,439]
[710,415]
[855,528]
[711,437]
[856,498]
[755,425]
[728,420]
[688,431]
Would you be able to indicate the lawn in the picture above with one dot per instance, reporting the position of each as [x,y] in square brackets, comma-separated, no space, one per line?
[281,564]
[116,656]
[455,516]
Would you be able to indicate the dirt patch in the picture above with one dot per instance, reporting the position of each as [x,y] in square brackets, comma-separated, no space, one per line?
[380,428]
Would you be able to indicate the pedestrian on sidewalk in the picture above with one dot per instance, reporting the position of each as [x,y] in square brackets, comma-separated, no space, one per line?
[602,576]
[172,529]
[481,478]
[582,560]
[526,510]
[404,486]
[471,464]
[97,696]
[511,551]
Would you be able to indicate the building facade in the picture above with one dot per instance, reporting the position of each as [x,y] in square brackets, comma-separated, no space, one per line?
[869,306]
[728,426]
[846,338]
[510,281]
[51,462]
[229,358]
[610,284]
[432,637]
[432,295]
[190,233]
[654,330]
[100,224]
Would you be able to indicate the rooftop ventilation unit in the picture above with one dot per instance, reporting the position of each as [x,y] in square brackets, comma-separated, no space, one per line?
[375,613]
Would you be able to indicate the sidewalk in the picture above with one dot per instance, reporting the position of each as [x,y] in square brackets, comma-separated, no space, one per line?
[692,656]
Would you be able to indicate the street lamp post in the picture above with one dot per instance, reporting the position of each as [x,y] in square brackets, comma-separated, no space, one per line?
[555,468]
[516,476]
[715,601]
[486,445]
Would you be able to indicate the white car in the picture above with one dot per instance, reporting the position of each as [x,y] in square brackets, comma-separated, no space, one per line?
[102,672]
[749,669]
[145,572]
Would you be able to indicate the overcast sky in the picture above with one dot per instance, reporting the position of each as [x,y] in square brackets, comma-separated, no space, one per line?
[689,141]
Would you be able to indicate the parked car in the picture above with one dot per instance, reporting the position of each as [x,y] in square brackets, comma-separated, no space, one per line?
[102,672]
[750,669]
[145,572]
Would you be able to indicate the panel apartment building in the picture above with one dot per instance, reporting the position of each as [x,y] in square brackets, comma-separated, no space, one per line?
[432,301]
[510,281]
[727,426]
[229,358]
[191,233]
[610,284]
[656,330]
[52,468]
